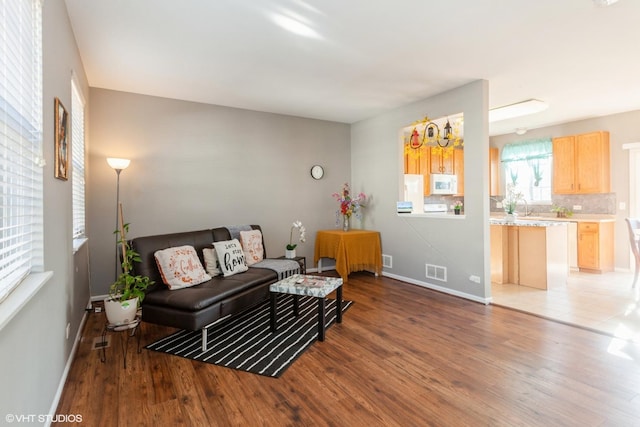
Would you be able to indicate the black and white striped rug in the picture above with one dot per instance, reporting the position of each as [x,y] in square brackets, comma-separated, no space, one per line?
[244,342]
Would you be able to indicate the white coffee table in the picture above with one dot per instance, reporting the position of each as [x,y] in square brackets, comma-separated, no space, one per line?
[314,286]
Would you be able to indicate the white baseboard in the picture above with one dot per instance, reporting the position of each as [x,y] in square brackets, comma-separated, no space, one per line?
[438,288]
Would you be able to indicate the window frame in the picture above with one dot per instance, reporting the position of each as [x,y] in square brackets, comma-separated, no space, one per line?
[21,156]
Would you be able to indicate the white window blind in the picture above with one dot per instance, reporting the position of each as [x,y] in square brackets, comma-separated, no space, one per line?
[77,160]
[21,230]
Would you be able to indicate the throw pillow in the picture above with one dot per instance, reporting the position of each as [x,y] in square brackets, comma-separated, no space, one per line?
[180,267]
[251,242]
[211,262]
[230,257]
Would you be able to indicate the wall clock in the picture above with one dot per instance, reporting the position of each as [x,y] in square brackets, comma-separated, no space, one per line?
[317,172]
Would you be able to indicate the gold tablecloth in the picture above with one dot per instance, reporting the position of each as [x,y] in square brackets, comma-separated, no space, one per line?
[353,250]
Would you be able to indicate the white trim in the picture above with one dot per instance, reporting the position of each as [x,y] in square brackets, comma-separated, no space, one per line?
[67,368]
[78,242]
[21,295]
[444,290]
[631,146]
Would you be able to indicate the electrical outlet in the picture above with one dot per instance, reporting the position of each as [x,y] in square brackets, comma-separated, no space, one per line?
[475,279]
[622,206]
[577,207]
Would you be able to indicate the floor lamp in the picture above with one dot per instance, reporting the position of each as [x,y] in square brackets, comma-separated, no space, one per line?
[118,165]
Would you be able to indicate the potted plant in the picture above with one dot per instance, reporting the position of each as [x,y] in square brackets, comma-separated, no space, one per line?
[348,206]
[510,202]
[562,212]
[127,292]
[290,252]
[457,207]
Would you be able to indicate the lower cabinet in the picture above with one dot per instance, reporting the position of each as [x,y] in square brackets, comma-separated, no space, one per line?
[529,256]
[595,246]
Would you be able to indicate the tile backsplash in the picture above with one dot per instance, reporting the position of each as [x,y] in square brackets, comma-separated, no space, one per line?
[604,204]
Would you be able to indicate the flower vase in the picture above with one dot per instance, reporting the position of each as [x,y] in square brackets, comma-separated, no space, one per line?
[345,223]
[290,253]
[510,217]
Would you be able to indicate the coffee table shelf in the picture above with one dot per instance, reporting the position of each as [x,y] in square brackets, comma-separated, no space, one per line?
[314,286]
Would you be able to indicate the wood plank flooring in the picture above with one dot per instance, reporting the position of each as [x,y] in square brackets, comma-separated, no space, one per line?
[403,356]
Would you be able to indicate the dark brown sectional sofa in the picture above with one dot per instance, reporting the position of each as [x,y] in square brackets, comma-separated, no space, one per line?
[200,306]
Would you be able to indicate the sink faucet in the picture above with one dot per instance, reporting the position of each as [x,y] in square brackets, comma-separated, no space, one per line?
[526,208]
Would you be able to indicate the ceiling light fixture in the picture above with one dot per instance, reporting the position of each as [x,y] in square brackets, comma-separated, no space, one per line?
[524,108]
[604,3]
[521,131]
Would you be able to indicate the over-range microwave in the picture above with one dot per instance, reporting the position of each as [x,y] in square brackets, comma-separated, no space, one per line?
[444,183]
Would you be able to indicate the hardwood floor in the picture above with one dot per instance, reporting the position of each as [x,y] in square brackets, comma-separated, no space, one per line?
[403,356]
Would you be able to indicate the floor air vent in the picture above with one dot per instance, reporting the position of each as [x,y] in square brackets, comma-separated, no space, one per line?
[436,272]
[387,261]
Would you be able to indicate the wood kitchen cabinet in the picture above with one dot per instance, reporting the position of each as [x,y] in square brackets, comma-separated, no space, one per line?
[581,164]
[494,172]
[595,246]
[442,160]
[458,169]
[529,256]
[427,160]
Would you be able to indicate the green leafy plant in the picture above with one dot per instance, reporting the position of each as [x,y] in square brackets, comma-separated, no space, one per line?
[457,205]
[127,285]
[562,212]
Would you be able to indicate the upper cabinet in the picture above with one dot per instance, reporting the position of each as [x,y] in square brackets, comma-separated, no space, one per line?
[494,172]
[442,160]
[427,160]
[581,164]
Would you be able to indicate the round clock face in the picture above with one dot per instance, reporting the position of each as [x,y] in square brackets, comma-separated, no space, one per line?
[317,172]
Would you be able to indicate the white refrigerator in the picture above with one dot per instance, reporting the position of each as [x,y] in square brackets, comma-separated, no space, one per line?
[414,191]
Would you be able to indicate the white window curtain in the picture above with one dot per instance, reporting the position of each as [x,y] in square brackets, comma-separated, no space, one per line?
[21,230]
[77,160]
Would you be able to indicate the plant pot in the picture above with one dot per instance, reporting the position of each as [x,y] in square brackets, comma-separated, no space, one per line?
[290,253]
[510,217]
[120,312]
[456,211]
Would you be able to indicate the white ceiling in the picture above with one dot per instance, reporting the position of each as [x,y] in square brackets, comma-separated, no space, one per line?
[366,56]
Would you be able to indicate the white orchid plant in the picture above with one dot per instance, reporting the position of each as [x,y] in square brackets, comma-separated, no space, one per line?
[511,199]
[297,225]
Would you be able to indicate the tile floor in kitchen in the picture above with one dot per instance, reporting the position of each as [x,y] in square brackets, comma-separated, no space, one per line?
[601,302]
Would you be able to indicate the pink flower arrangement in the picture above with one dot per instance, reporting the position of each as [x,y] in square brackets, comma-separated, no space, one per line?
[349,205]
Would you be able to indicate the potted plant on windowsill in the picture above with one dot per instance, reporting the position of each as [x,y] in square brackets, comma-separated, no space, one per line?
[457,207]
[127,292]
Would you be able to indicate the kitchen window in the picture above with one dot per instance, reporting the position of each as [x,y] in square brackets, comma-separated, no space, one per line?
[528,167]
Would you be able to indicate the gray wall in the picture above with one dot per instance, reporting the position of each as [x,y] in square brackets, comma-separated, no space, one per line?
[459,243]
[623,128]
[33,347]
[196,166]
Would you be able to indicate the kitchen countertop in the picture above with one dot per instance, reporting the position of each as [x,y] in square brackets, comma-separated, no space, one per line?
[552,218]
[526,222]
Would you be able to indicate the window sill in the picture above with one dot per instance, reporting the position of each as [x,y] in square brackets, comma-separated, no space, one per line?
[21,295]
[77,243]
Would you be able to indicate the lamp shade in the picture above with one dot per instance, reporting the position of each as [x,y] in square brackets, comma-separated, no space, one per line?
[118,164]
